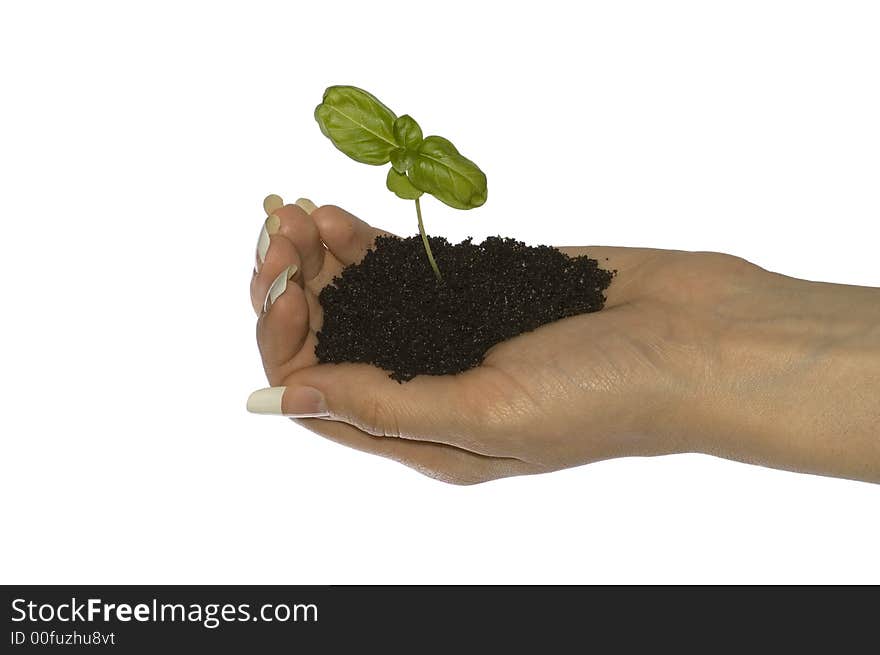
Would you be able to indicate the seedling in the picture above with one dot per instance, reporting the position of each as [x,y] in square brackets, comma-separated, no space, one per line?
[363,128]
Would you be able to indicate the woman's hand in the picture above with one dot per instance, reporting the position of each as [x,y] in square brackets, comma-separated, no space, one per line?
[696,352]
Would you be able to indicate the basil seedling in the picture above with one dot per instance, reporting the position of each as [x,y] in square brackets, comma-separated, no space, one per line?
[363,128]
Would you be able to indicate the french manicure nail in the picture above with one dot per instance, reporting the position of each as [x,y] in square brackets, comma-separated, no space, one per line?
[270,226]
[306,205]
[294,402]
[263,244]
[272,203]
[266,401]
[279,286]
[273,224]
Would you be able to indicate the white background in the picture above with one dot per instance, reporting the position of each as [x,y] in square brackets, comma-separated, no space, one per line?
[137,141]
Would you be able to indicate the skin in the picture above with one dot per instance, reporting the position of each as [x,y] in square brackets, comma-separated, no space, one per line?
[694,352]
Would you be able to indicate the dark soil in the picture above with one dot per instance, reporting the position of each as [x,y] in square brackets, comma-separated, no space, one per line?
[390,311]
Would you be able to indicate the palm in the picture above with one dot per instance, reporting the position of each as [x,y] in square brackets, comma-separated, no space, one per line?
[653,335]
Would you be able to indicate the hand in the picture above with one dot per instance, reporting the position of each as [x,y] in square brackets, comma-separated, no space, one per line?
[696,352]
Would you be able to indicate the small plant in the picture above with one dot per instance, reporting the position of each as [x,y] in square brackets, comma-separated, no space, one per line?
[363,128]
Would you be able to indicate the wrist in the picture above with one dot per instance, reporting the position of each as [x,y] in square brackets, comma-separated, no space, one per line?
[794,381]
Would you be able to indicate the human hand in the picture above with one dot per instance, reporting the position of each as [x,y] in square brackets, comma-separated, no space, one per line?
[690,352]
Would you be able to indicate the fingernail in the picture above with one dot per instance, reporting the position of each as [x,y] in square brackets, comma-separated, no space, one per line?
[263,244]
[279,286]
[270,226]
[266,401]
[305,402]
[272,203]
[306,205]
[295,402]
[273,224]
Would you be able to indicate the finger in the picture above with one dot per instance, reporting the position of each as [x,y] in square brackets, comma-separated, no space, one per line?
[438,461]
[344,234]
[279,255]
[444,409]
[295,224]
[284,333]
[270,226]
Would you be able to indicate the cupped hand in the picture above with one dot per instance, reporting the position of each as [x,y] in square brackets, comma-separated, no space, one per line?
[590,387]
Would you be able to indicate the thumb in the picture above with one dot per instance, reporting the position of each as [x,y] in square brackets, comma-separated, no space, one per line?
[442,409]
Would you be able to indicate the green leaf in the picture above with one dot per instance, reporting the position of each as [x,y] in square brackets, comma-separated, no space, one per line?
[357,124]
[401,186]
[407,132]
[449,176]
[402,160]
[408,135]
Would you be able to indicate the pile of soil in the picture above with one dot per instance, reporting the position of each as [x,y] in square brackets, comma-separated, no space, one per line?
[389,310]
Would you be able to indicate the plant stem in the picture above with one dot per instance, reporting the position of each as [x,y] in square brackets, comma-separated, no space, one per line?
[425,241]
